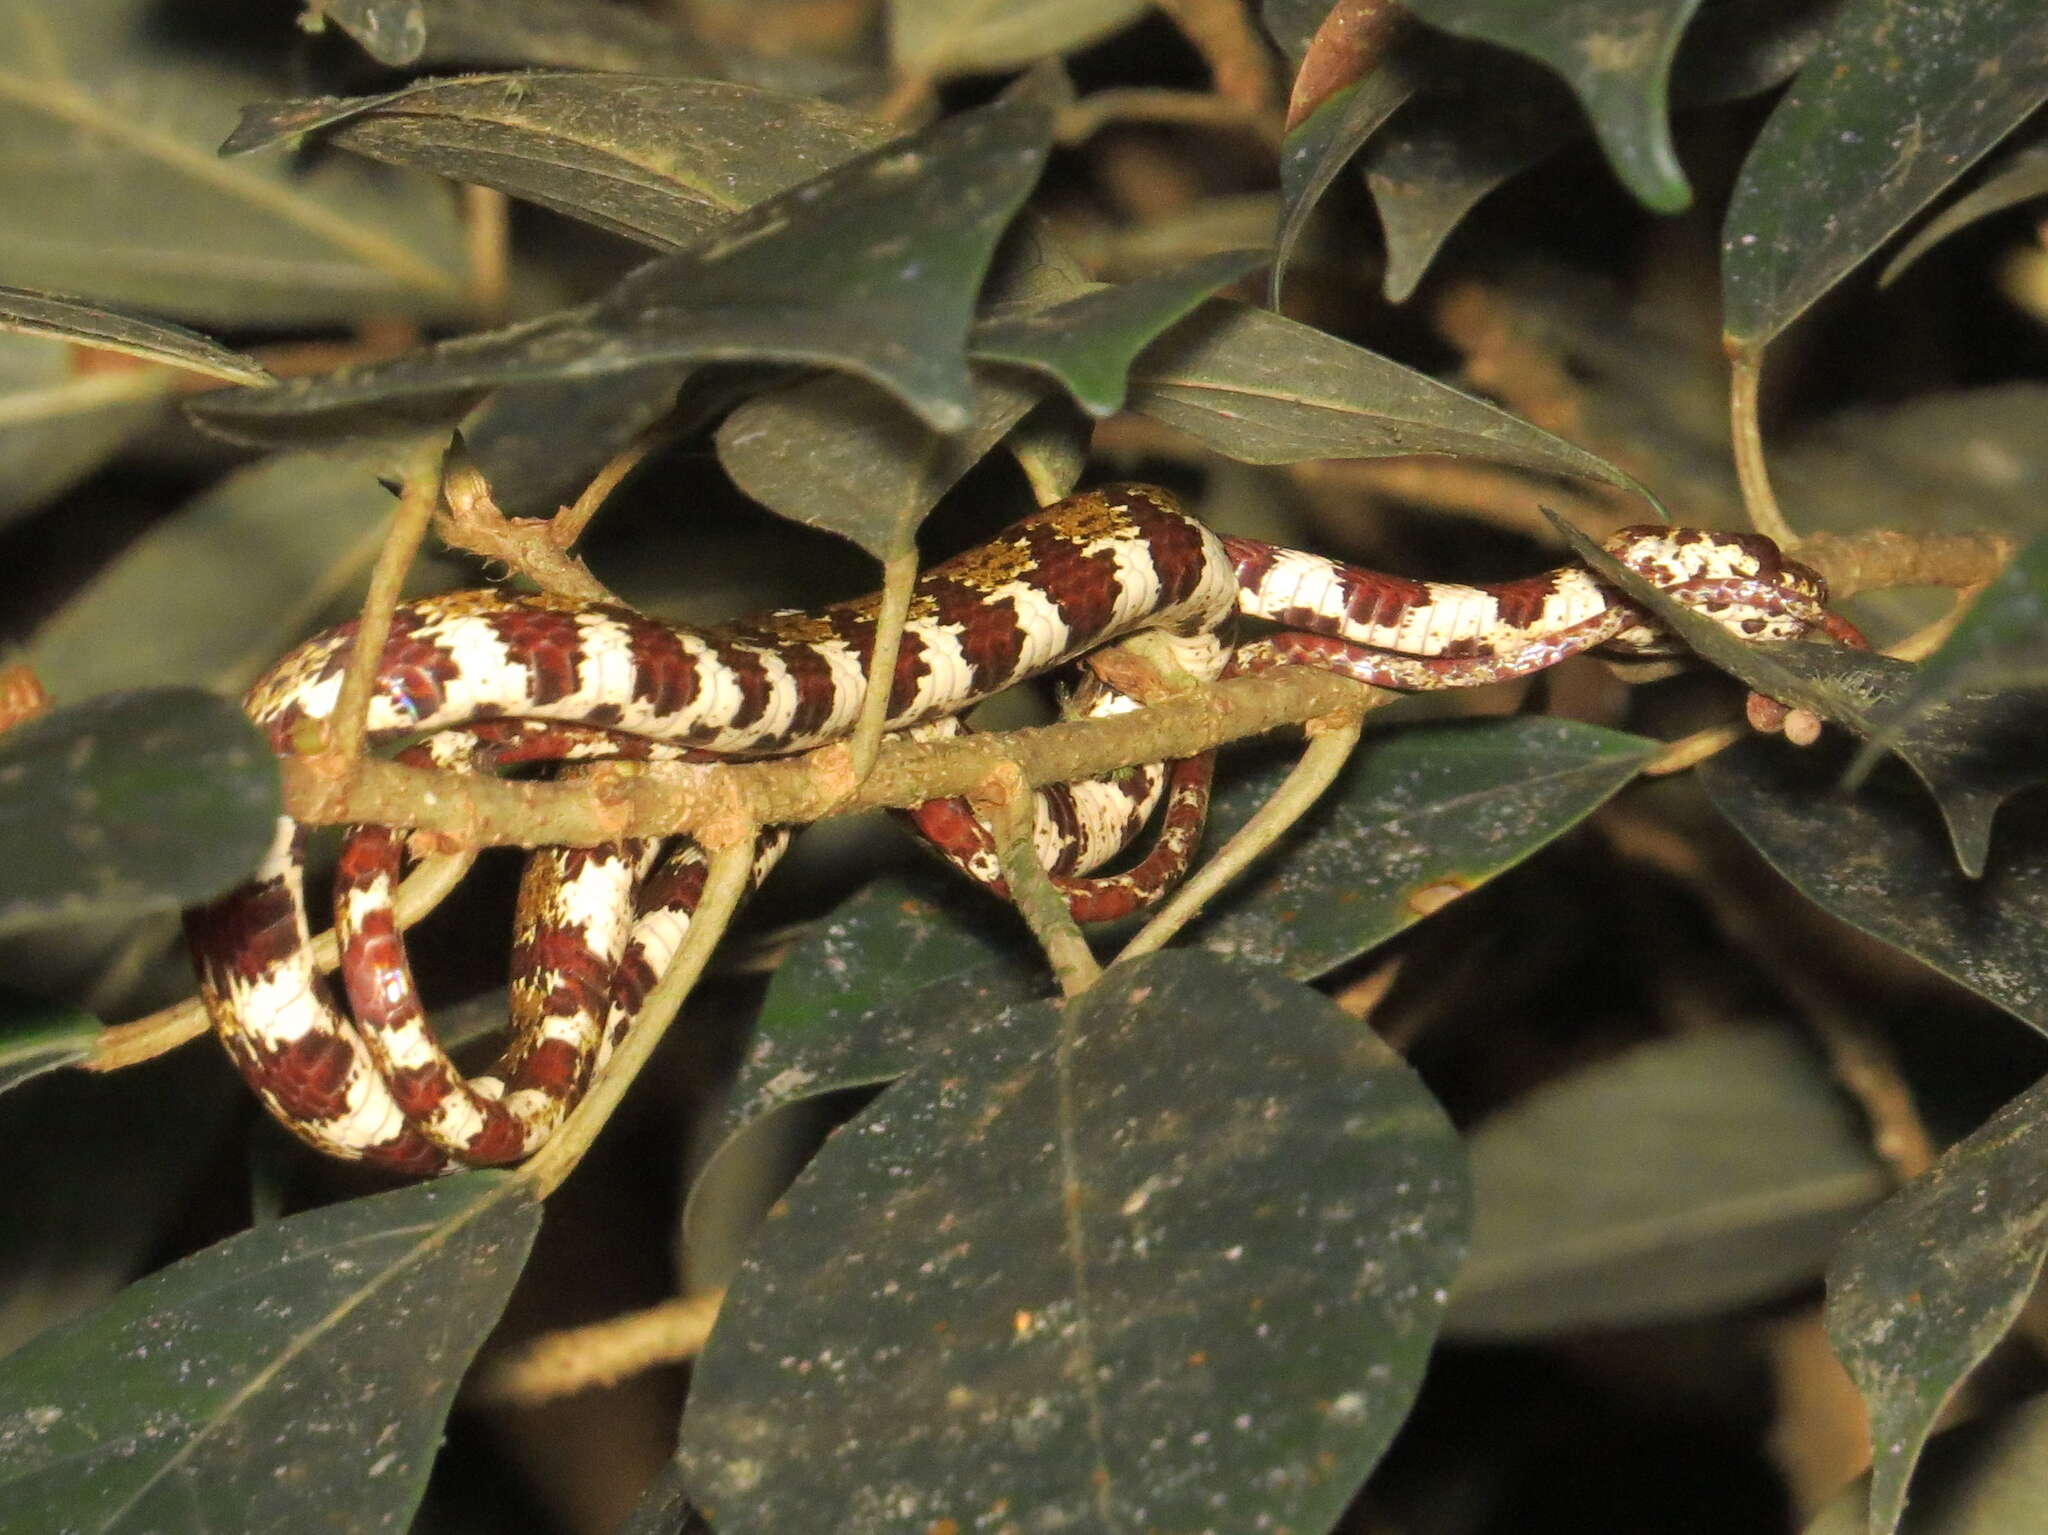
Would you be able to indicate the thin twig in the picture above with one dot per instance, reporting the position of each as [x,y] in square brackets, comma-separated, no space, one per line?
[1331,742]
[486,239]
[431,882]
[559,1364]
[1238,58]
[705,800]
[725,883]
[1003,800]
[892,610]
[347,726]
[1745,368]
[1690,751]
[570,523]
[471,519]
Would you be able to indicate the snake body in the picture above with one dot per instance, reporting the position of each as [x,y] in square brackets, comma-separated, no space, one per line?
[483,681]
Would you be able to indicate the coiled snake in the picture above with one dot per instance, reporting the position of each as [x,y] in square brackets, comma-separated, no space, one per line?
[487,681]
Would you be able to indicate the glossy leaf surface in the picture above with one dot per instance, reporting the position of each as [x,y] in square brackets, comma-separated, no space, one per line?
[1264,389]
[1878,860]
[1926,1286]
[131,802]
[1902,98]
[1420,817]
[46,314]
[1616,55]
[872,268]
[1136,1314]
[306,1364]
[38,1035]
[659,160]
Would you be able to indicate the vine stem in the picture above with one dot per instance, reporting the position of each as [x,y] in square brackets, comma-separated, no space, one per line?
[1003,800]
[1331,742]
[1745,372]
[573,1359]
[899,583]
[431,882]
[725,883]
[416,503]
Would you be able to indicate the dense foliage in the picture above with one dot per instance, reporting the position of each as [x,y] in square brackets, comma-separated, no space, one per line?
[1518,1099]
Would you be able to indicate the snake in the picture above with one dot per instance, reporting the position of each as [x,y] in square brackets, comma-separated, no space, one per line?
[483,681]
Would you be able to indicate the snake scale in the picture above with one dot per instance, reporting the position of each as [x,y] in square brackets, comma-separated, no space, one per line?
[480,681]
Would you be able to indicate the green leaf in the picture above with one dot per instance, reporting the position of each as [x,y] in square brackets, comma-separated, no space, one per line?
[1264,389]
[1419,817]
[1877,861]
[871,268]
[567,34]
[114,191]
[1926,1286]
[929,39]
[1616,55]
[131,802]
[1987,1477]
[1489,116]
[876,987]
[837,453]
[1356,68]
[1901,99]
[658,160]
[305,1365]
[180,604]
[2021,178]
[45,314]
[1968,749]
[38,1035]
[1088,342]
[59,422]
[1682,1179]
[2002,642]
[1169,1257]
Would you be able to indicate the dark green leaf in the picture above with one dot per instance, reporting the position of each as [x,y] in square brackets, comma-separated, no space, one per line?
[833,1016]
[838,454]
[1171,1257]
[1490,115]
[131,802]
[1987,1477]
[2002,642]
[1616,55]
[38,1035]
[872,268]
[1682,1179]
[1879,861]
[45,314]
[302,1366]
[659,160]
[1087,342]
[113,189]
[565,34]
[933,38]
[539,445]
[1901,99]
[2022,178]
[59,422]
[1420,817]
[1358,75]
[1264,389]
[1971,750]
[180,604]
[1926,1285]
[1433,162]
